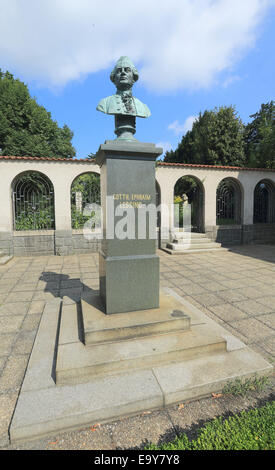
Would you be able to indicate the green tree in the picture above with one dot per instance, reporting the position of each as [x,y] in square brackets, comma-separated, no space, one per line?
[91,156]
[89,186]
[215,139]
[260,137]
[26,128]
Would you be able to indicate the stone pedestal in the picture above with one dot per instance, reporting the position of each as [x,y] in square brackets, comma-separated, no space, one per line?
[128,264]
[129,364]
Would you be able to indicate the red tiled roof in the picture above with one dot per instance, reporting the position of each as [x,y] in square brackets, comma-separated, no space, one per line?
[70,160]
[160,163]
[219,167]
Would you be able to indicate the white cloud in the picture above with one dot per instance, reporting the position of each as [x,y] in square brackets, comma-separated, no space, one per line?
[175,44]
[189,123]
[180,129]
[176,127]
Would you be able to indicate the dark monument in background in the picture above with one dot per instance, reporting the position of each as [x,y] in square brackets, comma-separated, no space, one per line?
[128,266]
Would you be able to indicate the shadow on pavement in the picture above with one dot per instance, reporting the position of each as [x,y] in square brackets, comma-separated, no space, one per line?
[261,252]
[62,286]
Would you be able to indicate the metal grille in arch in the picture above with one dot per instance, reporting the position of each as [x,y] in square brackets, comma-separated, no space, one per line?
[33,202]
[85,192]
[228,202]
[264,203]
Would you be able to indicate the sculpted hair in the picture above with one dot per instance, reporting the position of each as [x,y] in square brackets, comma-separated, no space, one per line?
[135,72]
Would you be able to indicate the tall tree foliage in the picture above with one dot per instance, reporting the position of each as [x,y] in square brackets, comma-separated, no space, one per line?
[260,137]
[26,128]
[215,139]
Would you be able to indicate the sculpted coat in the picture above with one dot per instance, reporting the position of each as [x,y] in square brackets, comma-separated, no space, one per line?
[115,105]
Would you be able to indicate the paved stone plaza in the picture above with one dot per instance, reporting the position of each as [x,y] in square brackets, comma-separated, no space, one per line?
[235,288]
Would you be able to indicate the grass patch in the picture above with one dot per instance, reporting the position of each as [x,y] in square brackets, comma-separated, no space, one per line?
[243,386]
[248,430]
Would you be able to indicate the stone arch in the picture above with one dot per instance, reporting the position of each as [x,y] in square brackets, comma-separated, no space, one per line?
[264,202]
[190,188]
[33,201]
[229,202]
[85,191]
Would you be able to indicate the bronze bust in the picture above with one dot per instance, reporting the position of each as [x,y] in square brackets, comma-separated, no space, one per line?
[123,105]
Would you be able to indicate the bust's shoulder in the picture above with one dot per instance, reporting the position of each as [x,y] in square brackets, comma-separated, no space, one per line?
[142,108]
[103,104]
[108,105]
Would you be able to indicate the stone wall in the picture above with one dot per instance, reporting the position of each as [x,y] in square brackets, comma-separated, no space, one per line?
[259,233]
[50,242]
[6,243]
[225,234]
[67,242]
[31,243]
[241,234]
[81,244]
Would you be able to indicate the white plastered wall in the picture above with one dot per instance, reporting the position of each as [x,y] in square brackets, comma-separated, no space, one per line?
[167,176]
[62,174]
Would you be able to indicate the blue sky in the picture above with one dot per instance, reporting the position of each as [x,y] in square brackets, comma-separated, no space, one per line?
[192,55]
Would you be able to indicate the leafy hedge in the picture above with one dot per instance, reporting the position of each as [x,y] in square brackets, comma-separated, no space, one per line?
[248,430]
[42,219]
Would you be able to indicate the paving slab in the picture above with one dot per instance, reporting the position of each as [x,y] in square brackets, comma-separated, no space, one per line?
[12,376]
[14,308]
[252,328]
[268,319]
[7,404]
[10,324]
[254,307]
[6,343]
[227,312]
[24,342]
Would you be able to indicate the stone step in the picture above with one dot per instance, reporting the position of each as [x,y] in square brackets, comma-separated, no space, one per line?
[91,325]
[78,363]
[192,241]
[62,409]
[4,259]
[44,408]
[71,329]
[192,251]
[99,327]
[193,246]
[188,234]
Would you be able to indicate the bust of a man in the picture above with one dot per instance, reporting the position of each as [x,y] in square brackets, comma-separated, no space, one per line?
[124,75]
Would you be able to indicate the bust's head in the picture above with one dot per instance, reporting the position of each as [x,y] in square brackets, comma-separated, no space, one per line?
[124,74]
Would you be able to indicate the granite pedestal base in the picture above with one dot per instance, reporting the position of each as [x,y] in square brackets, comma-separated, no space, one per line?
[87,367]
[129,283]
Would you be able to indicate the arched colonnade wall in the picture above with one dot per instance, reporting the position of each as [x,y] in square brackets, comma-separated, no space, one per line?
[64,240]
[211,177]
